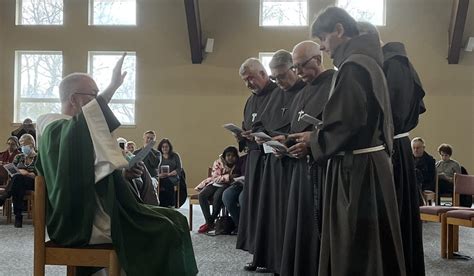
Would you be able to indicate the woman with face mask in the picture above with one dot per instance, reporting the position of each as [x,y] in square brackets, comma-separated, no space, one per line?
[24,180]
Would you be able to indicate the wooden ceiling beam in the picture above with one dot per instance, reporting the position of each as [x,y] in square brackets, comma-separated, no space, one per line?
[194,30]
[456,29]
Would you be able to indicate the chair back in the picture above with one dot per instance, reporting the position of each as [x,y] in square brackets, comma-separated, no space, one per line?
[39,226]
[463,185]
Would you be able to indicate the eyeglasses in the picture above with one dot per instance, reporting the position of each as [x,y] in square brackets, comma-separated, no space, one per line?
[302,65]
[282,76]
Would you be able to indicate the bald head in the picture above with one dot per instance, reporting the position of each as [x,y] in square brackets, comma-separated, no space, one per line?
[70,84]
[75,91]
[254,75]
[307,49]
[307,60]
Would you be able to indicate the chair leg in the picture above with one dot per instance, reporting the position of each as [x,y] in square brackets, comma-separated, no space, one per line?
[456,238]
[114,265]
[71,270]
[450,241]
[190,216]
[38,267]
[32,210]
[444,236]
[8,210]
[28,208]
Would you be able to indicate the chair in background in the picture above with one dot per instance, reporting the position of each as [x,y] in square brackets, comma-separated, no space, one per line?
[193,198]
[49,253]
[463,185]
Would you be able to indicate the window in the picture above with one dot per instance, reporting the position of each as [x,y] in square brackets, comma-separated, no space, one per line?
[112,12]
[101,65]
[39,12]
[283,12]
[37,78]
[372,11]
[265,58]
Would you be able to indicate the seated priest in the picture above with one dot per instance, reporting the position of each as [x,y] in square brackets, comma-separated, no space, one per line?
[88,193]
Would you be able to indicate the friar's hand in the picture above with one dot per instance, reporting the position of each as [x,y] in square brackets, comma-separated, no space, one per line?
[299,150]
[134,172]
[246,135]
[117,80]
[302,137]
[279,138]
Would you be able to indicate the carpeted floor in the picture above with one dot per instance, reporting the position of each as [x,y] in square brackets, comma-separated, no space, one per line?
[217,255]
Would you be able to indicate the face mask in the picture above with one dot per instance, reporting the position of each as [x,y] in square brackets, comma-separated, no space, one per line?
[26,149]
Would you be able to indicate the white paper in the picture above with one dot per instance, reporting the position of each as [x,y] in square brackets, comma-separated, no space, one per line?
[311,120]
[233,128]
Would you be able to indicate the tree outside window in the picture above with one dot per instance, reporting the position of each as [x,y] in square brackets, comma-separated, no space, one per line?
[101,65]
[372,11]
[38,75]
[283,12]
[113,12]
[39,12]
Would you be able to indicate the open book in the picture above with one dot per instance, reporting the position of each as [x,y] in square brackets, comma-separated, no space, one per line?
[141,155]
[262,135]
[312,120]
[278,147]
[233,128]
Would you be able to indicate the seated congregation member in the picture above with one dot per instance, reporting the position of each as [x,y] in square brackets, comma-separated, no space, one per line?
[425,168]
[211,188]
[9,154]
[130,146]
[360,230]
[143,186]
[232,196]
[446,168]
[169,172]
[88,194]
[27,127]
[25,180]
[153,159]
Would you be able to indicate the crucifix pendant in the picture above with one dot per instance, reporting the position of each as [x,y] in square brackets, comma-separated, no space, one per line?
[300,114]
[254,115]
[283,109]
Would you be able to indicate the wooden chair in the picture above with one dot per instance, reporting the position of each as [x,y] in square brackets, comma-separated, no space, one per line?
[437,214]
[49,253]
[463,185]
[193,198]
[7,206]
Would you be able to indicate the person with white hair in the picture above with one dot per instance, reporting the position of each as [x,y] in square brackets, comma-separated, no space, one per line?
[88,185]
[272,200]
[24,180]
[257,81]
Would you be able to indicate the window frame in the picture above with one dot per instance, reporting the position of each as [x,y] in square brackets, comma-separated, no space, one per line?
[17,99]
[261,55]
[260,19]
[91,17]
[90,65]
